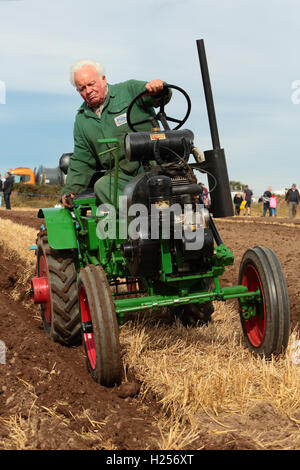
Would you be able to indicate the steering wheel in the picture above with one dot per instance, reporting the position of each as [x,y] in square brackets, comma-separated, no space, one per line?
[161,115]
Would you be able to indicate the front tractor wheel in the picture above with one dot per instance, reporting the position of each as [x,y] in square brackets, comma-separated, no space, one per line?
[55,289]
[266,320]
[99,326]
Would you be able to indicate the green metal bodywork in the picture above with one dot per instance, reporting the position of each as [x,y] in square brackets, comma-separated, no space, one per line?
[60,228]
[79,229]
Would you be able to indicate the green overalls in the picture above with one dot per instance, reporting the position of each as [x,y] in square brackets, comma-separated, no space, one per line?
[88,128]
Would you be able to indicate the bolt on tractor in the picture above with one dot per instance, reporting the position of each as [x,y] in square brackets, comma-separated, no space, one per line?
[96,263]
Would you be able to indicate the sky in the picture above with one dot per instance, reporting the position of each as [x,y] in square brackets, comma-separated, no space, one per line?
[253,54]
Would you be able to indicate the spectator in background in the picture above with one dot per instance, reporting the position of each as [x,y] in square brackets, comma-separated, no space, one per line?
[1,192]
[7,188]
[205,196]
[248,198]
[266,200]
[292,199]
[273,205]
[237,201]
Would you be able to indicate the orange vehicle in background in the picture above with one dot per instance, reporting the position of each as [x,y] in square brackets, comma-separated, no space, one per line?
[23,175]
[41,174]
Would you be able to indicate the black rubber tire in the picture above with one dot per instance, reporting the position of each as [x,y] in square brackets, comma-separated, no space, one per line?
[274,312]
[97,310]
[64,326]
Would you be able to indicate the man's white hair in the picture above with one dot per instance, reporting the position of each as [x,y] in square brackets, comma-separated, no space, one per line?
[80,63]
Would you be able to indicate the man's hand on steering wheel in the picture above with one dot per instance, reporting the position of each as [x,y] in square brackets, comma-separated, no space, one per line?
[154,86]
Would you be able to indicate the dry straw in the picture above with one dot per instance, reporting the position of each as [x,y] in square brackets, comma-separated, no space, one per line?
[16,240]
[208,371]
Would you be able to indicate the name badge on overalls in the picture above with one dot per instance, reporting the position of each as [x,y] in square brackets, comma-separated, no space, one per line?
[120,120]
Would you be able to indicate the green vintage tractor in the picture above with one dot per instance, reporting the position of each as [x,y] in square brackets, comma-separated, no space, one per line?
[156,247]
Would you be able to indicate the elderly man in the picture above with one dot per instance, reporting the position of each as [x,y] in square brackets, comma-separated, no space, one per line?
[292,198]
[103,115]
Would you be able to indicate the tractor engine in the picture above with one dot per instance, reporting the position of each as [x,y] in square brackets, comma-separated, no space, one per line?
[165,207]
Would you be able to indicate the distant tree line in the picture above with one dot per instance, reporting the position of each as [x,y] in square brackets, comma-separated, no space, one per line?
[236,186]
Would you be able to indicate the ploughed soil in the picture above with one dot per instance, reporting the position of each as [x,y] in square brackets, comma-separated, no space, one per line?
[46,387]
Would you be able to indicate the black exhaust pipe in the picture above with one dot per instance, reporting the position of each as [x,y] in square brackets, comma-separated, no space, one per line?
[215,162]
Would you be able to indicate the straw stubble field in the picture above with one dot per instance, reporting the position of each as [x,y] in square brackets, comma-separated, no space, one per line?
[183,388]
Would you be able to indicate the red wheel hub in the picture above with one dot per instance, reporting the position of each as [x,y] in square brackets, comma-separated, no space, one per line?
[41,289]
[88,334]
[255,327]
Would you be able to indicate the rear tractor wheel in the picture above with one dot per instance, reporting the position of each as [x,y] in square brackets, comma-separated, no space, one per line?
[265,321]
[55,289]
[99,326]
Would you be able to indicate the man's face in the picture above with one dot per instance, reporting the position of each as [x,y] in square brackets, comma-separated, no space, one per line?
[90,85]
[294,187]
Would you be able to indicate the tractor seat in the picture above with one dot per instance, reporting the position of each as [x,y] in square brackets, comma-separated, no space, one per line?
[88,194]
[64,163]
